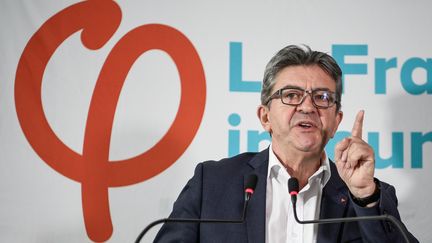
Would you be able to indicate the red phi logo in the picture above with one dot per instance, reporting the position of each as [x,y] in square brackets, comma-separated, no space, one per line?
[98,20]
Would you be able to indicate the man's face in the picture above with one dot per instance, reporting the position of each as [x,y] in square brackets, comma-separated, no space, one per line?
[304,127]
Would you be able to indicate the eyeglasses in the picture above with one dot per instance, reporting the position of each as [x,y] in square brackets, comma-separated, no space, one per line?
[321,98]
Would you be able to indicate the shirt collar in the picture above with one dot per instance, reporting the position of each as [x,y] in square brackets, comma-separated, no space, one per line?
[275,167]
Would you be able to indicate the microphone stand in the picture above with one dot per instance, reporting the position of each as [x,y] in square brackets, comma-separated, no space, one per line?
[387,217]
[249,190]
[293,190]
[185,220]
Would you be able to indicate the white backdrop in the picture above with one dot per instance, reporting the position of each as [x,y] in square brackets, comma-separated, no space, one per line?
[234,40]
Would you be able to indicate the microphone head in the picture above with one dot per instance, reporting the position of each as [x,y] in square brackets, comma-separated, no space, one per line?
[251,183]
[293,186]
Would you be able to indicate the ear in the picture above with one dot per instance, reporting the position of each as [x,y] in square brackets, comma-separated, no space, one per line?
[338,119]
[264,117]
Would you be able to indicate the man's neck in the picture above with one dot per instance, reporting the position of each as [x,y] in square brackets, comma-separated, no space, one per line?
[299,164]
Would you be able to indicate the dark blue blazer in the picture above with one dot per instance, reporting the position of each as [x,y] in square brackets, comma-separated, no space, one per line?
[216,191]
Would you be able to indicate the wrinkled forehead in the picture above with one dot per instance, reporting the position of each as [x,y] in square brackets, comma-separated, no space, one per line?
[304,77]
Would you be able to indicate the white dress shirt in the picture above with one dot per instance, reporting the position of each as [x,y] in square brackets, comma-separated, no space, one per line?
[281,226]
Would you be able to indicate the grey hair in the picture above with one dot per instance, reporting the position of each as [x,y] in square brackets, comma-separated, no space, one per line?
[294,55]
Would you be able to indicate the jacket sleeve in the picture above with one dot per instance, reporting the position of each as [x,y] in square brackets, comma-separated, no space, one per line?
[378,230]
[187,205]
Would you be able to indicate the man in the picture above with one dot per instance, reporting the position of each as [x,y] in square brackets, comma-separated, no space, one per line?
[300,108]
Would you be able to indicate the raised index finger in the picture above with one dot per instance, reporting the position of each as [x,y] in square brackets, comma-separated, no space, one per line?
[358,125]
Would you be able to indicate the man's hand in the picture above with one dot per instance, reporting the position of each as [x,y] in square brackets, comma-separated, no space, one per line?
[355,161]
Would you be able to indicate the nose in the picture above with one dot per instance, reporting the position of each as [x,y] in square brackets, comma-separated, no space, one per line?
[306,106]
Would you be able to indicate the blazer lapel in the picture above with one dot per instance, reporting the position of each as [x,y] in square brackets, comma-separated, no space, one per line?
[255,218]
[334,204]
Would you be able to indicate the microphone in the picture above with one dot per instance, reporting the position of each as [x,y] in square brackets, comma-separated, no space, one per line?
[249,189]
[293,188]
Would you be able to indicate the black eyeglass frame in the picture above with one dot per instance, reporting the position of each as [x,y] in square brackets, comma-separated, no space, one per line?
[278,94]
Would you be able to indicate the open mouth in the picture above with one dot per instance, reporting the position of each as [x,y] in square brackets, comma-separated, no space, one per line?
[306,125]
